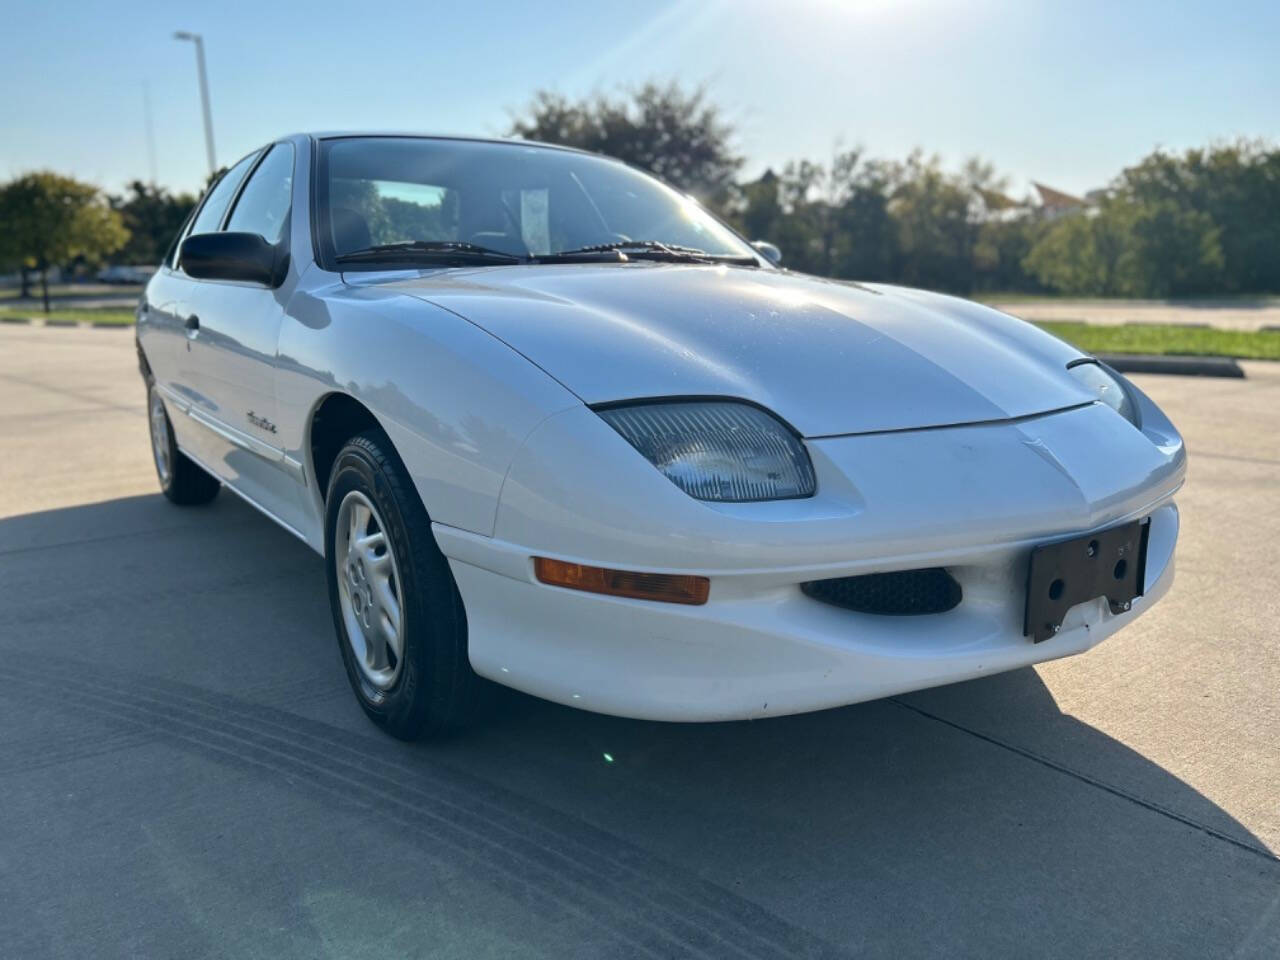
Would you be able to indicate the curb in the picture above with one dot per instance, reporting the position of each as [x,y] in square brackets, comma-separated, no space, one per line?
[1173,364]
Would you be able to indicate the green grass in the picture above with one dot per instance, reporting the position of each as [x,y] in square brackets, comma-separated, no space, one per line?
[1152,338]
[115,318]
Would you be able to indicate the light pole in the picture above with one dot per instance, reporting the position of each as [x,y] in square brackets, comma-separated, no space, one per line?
[204,93]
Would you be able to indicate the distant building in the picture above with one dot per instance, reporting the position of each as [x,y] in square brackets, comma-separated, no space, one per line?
[993,205]
[1055,203]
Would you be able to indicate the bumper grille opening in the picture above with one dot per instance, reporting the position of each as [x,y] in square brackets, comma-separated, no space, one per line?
[903,593]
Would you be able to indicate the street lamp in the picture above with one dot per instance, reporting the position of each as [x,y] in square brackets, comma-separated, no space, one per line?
[204,93]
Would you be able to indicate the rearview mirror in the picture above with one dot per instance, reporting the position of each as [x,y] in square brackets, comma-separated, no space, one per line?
[234,256]
[768,251]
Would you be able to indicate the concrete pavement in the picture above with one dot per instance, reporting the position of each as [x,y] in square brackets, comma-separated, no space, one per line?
[1237,314]
[183,771]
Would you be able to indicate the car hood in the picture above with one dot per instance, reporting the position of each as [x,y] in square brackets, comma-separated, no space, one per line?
[830,358]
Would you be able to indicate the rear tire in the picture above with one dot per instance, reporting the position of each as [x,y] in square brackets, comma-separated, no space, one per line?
[396,609]
[181,480]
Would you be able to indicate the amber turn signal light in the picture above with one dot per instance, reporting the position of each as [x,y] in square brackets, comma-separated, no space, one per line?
[664,587]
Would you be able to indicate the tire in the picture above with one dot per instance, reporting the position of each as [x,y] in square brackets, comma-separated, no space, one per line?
[428,687]
[181,480]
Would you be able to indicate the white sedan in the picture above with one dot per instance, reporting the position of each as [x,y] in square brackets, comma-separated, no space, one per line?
[552,424]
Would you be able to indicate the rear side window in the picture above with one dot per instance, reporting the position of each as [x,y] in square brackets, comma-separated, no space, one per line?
[215,205]
[263,207]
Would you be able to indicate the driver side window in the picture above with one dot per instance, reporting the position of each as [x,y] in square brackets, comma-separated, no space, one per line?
[215,204]
[263,207]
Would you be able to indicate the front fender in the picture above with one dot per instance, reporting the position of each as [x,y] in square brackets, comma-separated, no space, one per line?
[456,403]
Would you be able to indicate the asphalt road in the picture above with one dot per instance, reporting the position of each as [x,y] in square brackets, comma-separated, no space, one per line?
[183,772]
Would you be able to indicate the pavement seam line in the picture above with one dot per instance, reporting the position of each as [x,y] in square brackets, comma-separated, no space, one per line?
[63,392]
[105,538]
[1263,461]
[1094,782]
[24,417]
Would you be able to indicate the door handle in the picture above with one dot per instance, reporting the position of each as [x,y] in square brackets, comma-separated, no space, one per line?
[192,324]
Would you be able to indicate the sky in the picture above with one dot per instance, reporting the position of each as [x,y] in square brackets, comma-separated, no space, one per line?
[1066,93]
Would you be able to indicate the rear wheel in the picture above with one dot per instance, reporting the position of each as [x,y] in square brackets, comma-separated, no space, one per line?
[180,479]
[396,609]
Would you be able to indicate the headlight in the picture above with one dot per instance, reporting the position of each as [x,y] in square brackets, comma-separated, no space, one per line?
[717,450]
[1109,387]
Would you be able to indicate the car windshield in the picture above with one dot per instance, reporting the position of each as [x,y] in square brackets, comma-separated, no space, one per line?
[516,199]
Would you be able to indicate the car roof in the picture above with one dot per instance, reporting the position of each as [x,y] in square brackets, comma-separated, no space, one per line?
[419,135]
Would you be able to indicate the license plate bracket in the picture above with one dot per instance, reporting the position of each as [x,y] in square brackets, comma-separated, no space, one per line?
[1109,563]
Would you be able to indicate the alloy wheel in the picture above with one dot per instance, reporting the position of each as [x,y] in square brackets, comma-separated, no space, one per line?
[160,438]
[369,590]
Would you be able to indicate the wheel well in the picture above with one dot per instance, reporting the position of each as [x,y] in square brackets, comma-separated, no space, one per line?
[337,419]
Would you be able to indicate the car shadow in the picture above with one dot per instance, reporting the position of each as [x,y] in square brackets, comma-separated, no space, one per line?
[972,820]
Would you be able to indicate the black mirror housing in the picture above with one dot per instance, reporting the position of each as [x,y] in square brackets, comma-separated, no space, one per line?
[234,256]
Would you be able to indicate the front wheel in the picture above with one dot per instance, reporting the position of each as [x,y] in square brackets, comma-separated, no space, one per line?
[181,480]
[396,609]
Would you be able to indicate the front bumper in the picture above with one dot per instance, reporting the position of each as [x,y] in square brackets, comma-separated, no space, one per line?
[766,652]
[972,499]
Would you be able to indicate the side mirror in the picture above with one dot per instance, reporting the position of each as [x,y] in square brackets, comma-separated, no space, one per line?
[234,256]
[768,251]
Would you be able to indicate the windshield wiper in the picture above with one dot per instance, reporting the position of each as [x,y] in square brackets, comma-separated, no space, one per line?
[657,250]
[449,251]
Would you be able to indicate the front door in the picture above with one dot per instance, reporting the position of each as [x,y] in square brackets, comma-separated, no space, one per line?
[237,329]
[167,327]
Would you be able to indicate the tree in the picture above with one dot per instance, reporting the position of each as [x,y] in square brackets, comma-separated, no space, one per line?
[756,209]
[1090,253]
[1130,249]
[11,260]
[1231,189]
[936,230]
[998,252]
[1066,257]
[870,234]
[674,134]
[51,219]
[829,221]
[153,217]
[1177,252]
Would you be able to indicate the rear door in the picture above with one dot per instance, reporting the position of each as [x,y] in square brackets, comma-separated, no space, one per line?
[234,351]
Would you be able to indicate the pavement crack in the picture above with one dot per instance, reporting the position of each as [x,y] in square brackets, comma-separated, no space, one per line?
[1115,791]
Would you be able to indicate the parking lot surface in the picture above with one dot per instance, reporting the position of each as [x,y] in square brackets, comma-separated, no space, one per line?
[1262,313]
[184,773]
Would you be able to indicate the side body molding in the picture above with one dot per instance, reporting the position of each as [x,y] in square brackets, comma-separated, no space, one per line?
[244,441]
